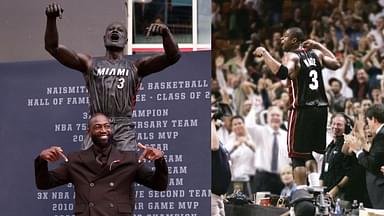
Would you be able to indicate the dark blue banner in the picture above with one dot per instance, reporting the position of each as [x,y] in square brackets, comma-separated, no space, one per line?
[43,104]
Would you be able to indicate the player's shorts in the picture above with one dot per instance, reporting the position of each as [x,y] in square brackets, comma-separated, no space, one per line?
[124,134]
[307,127]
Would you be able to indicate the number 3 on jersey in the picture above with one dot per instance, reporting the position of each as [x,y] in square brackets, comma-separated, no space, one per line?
[315,83]
[121,83]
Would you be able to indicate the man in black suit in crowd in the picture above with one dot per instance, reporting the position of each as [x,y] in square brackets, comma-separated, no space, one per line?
[373,159]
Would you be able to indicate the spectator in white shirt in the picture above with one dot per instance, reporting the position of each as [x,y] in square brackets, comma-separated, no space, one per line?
[270,160]
[242,153]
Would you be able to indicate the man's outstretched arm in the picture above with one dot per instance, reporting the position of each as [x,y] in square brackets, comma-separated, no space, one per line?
[45,179]
[170,56]
[329,59]
[64,55]
[158,179]
[282,70]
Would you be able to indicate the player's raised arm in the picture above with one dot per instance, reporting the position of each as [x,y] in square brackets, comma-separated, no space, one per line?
[170,56]
[277,68]
[64,55]
[328,58]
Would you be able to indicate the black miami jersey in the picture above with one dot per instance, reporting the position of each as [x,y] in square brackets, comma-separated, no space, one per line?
[112,87]
[308,103]
[307,89]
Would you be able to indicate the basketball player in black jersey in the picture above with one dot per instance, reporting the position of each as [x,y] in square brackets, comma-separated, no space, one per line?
[112,80]
[302,64]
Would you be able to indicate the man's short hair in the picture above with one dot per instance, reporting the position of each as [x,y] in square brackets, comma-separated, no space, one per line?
[94,116]
[333,79]
[376,111]
[237,117]
[296,32]
[304,208]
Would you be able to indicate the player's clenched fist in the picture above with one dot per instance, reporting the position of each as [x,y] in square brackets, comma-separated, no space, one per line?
[54,10]
[157,29]
[259,51]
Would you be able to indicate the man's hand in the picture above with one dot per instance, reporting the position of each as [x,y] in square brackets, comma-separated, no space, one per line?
[382,169]
[351,58]
[54,10]
[345,149]
[259,51]
[149,153]
[311,44]
[156,29]
[242,139]
[236,145]
[53,154]
[219,61]
[352,142]
[333,192]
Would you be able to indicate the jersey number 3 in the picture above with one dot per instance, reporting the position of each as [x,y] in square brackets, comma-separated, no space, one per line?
[121,83]
[315,83]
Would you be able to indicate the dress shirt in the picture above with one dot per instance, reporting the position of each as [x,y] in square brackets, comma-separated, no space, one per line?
[263,136]
[241,159]
[101,154]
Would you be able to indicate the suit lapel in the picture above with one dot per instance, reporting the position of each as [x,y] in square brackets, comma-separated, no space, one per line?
[114,160]
[379,134]
[88,158]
